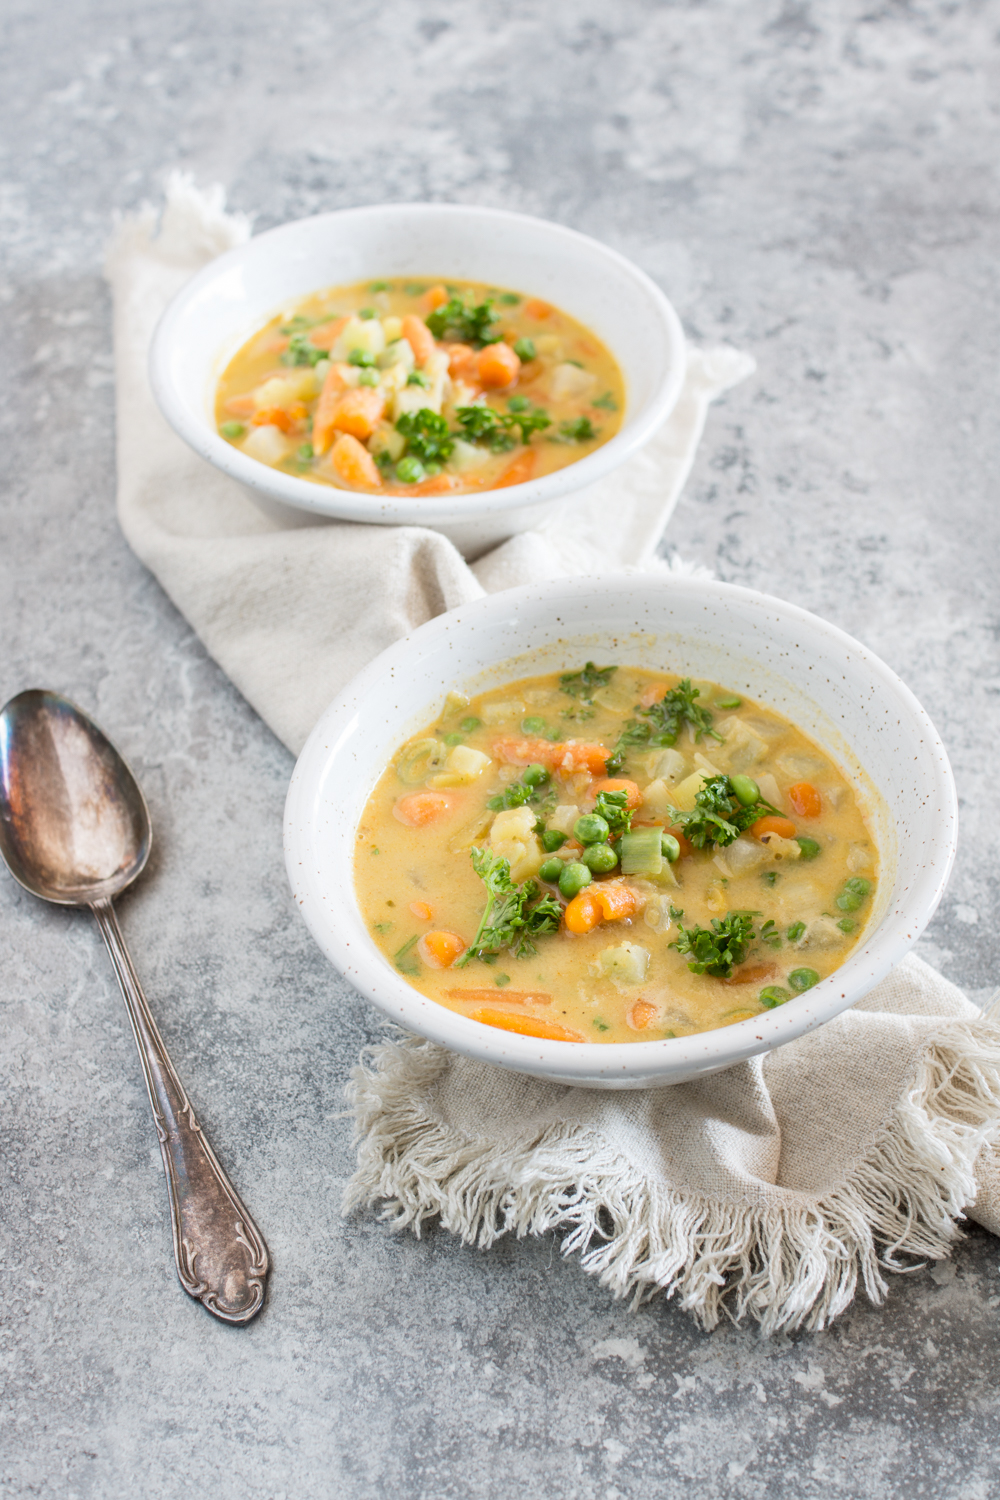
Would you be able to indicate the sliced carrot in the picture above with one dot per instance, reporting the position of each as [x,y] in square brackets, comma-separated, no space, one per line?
[567,756]
[353,464]
[497,365]
[783,827]
[241,406]
[751,974]
[583,913]
[619,784]
[333,388]
[327,334]
[604,901]
[419,337]
[511,997]
[518,471]
[535,309]
[439,950]
[422,910]
[526,1025]
[652,694]
[418,808]
[640,1015]
[277,416]
[438,484]
[435,297]
[461,360]
[359,411]
[805,800]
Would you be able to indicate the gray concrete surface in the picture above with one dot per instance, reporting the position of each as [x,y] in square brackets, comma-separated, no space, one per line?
[815,182]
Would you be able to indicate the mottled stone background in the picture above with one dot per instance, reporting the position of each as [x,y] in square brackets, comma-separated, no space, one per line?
[814,182]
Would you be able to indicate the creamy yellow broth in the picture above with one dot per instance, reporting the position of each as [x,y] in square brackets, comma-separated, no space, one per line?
[805,885]
[400,387]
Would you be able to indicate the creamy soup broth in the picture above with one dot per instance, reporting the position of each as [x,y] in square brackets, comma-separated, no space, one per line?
[745,874]
[400,387]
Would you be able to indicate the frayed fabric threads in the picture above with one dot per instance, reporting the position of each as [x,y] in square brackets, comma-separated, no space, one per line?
[442,1139]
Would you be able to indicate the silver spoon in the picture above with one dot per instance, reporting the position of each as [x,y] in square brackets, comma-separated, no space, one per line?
[75,829]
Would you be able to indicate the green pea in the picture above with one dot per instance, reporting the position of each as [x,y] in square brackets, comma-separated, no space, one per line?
[729,702]
[468,725]
[533,725]
[518,403]
[410,470]
[671,848]
[525,349]
[795,931]
[361,357]
[535,775]
[600,858]
[551,870]
[380,286]
[367,313]
[803,979]
[552,840]
[454,739]
[573,879]
[591,829]
[774,995]
[368,377]
[854,893]
[810,848]
[232,430]
[417,377]
[847,924]
[746,789]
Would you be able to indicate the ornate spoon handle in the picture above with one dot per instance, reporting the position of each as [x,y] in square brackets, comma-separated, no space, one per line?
[221,1258]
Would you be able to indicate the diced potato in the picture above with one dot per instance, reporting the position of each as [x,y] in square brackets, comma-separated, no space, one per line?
[860,857]
[656,799]
[742,856]
[549,343]
[801,766]
[392,327]
[667,765]
[513,823]
[467,457]
[704,764]
[743,748]
[414,398]
[364,334]
[385,439]
[624,964]
[267,444]
[569,382]
[821,932]
[525,857]
[455,701]
[688,789]
[398,353]
[769,789]
[463,766]
[780,849]
[563,817]
[287,390]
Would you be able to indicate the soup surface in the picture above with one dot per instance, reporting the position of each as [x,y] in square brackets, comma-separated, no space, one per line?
[613,855]
[414,388]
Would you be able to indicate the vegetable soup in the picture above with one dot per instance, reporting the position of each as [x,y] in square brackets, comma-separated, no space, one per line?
[399,387]
[613,855]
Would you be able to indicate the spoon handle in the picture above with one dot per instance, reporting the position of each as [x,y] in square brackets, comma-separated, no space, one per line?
[220,1255]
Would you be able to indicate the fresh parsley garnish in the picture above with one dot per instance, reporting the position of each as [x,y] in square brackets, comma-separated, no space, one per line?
[514,915]
[579,430]
[464,322]
[524,793]
[403,958]
[584,684]
[718,816]
[427,435]
[481,424]
[661,723]
[717,949]
[606,402]
[613,808]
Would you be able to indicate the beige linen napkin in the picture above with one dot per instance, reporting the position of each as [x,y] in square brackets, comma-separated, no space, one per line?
[768,1188]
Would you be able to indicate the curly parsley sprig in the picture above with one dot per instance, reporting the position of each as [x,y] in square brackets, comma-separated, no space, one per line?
[719,816]
[717,949]
[660,724]
[513,915]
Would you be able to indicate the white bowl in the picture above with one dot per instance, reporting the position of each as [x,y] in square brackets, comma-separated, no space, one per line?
[218,310]
[851,704]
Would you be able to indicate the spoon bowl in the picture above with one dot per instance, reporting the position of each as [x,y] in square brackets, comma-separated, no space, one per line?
[75,829]
[74,826]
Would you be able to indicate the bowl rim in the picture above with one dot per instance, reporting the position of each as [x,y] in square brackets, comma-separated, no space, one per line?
[354,505]
[590,1062]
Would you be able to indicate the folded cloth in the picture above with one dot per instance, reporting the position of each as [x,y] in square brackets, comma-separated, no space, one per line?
[768,1189]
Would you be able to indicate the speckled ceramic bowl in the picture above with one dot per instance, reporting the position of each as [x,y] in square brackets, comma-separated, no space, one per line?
[825,682]
[218,310]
